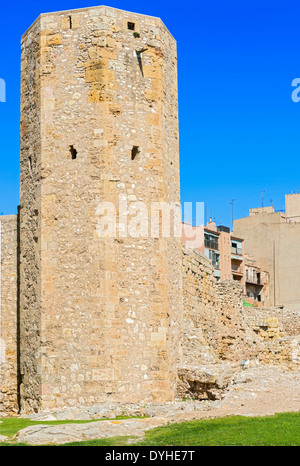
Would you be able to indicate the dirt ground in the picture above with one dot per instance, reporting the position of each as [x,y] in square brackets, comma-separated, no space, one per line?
[259,391]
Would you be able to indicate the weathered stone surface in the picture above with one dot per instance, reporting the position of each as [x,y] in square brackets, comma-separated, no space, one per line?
[66,433]
[217,327]
[8,315]
[205,382]
[214,326]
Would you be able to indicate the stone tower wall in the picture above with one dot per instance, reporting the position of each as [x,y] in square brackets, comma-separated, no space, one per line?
[8,315]
[100,317]
[30,218]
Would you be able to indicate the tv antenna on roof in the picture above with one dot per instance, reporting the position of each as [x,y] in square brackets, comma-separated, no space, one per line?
[232,203]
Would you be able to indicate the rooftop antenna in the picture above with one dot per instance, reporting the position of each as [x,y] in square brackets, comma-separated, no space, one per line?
[232,203]
[272,203]
[262,197]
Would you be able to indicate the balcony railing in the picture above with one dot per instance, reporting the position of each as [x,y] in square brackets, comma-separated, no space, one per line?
[236,268]
[216,265]
[253,280]
[211,244]
[237,251]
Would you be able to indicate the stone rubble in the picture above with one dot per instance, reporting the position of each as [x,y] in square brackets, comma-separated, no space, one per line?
[66,433]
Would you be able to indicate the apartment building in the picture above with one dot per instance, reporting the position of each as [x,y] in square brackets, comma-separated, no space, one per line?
[273,239]
[225,250]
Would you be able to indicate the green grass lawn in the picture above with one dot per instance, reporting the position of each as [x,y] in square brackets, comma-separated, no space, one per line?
[282,429]
[279,430]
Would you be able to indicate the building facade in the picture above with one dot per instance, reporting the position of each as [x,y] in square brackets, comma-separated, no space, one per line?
[273,238]
[257,282]
[225,250]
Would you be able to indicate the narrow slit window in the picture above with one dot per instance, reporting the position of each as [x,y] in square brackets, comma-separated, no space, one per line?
[70,21]
[30,163]
[73,152]
[131,26]
[134,152]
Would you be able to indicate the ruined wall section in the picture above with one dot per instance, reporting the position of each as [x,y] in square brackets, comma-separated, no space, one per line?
[280,332]
[199,300]
[286,321]
[235,339]
[218,329]
[8,315]
[30,209]
[218,333]
[214,327]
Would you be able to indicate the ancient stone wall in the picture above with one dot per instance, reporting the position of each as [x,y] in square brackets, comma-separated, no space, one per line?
[100,316]
[218,333]
[218,328]
[199,302]
[280,331]
[8,315]
[287,321]
[214,328]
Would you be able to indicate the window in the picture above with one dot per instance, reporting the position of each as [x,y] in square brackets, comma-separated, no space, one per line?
[215,258]
[236,247]
[134,152]
[211,241]
[73,152]
[131,26]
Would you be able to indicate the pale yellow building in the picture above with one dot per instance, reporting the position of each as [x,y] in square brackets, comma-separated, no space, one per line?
[273,239]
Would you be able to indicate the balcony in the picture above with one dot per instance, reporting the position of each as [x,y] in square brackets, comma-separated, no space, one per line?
[252,280]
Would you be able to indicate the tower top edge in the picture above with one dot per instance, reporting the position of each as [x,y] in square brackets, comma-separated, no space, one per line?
[94,8]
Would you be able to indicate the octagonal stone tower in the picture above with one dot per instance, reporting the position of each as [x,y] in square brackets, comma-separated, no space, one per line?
[100,317]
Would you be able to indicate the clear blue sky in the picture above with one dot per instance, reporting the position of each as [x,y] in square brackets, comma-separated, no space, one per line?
[239,128]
